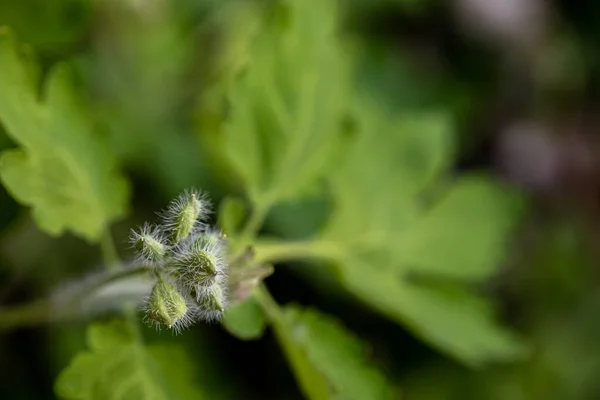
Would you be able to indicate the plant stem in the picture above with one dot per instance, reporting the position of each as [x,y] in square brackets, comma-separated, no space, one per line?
[268,303]
[109,252]
[25,315]
[112,262]
[61,306]
[273,252]
[257,217]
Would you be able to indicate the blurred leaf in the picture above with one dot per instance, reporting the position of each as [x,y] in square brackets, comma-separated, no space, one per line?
[455,321]
[119,366]
[380,232]
[408,6]
[56,24]
[245,320]
[143,107]
[63,170]
[391,219]
[329,361]
[237,23]
[393,75]
[231,29]
[463,235]
[232,211]
[177,368]
[286,108]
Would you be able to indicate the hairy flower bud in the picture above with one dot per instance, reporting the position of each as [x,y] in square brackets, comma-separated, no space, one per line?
[189,260]
[184,214]
[211,239]
[150,245]
[200,263]
[197,268]
[212,303]
[165,305]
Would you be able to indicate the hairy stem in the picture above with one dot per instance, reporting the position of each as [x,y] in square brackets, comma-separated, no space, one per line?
[62,305]
[112,262]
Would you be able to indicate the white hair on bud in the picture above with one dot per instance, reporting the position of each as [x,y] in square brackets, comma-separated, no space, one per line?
[193,277]
[191,256]
[188,319]
[210,315]
[172,215]
[145,255]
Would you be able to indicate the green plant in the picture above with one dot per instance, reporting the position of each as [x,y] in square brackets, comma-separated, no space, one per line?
[396,237]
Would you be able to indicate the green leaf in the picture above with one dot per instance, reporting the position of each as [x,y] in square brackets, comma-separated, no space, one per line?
[57,23]
[177,368]
[118,366]
[463,235]
[393,222]
[245,320]
[452,319]
[63,169]
[396,215]
[330,362]
[231,214]
[286,108]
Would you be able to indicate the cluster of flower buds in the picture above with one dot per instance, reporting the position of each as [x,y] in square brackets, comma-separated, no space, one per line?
[188,259]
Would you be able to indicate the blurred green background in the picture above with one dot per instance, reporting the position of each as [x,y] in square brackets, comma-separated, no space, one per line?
[519,83]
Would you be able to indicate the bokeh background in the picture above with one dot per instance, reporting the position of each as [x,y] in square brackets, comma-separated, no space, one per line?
[521,80]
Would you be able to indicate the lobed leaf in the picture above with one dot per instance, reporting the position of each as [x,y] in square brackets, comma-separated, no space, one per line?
[386,231]
[63,170]
[285,110]
[396,214]
[118,366]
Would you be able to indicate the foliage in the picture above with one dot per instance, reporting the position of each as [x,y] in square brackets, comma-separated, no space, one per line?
[375,232]
[333,167]
[118,365]
[328,360]
[64,170]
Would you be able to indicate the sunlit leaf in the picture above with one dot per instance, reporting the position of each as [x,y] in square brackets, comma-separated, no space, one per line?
[463,235]
[389,226]
[63,169]
[285,110]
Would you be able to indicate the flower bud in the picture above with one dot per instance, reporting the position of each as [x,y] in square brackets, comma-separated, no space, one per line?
[165,305]
[184,213]
[149,243]
[212,302]
[213,239]
[195,269]
[200,263]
